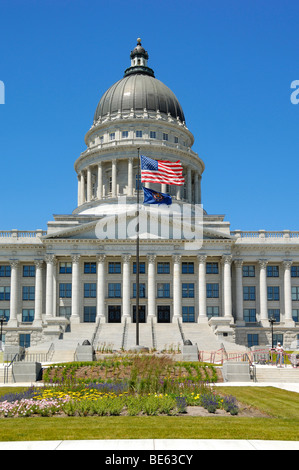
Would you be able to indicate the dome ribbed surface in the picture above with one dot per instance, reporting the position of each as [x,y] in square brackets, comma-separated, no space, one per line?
[138,92]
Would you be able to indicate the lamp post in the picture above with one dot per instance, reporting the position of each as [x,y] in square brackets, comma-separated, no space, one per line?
[2,320]
[272,321]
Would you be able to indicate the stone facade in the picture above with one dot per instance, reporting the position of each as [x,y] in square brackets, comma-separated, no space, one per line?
[69,274]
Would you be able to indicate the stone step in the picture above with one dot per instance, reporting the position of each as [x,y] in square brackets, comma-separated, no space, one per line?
[275,374]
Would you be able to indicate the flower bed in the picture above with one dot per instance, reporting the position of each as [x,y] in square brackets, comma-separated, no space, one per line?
[108,400]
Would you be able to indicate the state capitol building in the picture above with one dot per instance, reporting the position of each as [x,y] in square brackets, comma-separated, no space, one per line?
[69,282]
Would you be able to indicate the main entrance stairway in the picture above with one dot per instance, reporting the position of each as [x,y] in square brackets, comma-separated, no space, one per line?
[108,337]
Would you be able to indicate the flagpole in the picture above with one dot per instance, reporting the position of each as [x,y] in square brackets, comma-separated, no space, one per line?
[137,252]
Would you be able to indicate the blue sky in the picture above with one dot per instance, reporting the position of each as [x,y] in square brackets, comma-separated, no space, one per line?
[230,63]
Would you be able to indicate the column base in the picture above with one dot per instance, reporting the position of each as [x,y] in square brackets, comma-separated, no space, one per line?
[13,323]
[203,319]
[75,320]
[126,317]
[38,323]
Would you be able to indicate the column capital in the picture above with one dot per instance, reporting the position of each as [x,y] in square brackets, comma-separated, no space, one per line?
[39,263]
[176,258]
[126,258]
[238,263]
[75,258]
[151,258]
[50,259]
[101,258]
[263,263]
[14,263]
[227,259]
[202,258]
[287,263]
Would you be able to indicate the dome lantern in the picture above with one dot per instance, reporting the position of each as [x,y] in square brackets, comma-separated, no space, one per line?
[139,58]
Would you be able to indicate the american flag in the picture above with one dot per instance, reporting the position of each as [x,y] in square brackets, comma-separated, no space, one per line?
[165,172]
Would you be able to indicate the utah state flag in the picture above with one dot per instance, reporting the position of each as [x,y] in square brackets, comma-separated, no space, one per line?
[154,197]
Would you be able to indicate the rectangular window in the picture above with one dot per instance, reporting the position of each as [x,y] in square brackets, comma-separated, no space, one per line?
[163,290]
[295,293]
[165,136]
[274,312]
[65,268]
[273,292]
[249,315]
[24,340]
[112,136]
[212,312]
[272,271]
[152,134]
[176,140]
[163,268]
[141,268]
[212,268]
[28,293]
[65,312]
[27,315]
[187,268]
[277,338]
[5,313]
[295,271]
[90,268]
[138,133]
[28,271]
[141,291]
[5,271]
[90,291]
[65,291]
[125,134]
[249,293]
[295,314]
[90,314]
[114,290]
[248,271]
[188,290]
[4,293]
[114,267]
[212,291]
[188,314]
[252,340]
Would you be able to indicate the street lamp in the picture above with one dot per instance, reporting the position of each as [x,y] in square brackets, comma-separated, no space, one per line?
[272,321]
[2,320]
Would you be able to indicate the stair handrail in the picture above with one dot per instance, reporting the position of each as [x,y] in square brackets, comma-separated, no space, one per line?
[123,341]
[96,331]
[6,367]
[181,331]
[154,340]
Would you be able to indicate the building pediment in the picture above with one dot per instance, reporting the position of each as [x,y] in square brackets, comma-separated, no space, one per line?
[153,225]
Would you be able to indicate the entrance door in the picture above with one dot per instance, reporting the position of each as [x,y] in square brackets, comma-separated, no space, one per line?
[141,314]
[163,313]
[114,314]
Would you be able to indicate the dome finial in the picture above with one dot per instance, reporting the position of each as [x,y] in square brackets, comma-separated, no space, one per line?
[138,41]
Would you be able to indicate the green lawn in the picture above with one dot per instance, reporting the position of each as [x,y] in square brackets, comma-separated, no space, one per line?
[283,424]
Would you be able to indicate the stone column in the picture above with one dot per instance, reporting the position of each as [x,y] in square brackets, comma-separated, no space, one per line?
[130,177]
[51,262]
[163,188]
[89,184]
[189,184]
[14,298]
[113,189]
[126,303]
[239,292]
[38,292]
[100,181]
[288,317]
[101,287]
[202,289]
[227,285]
[79,191]
[151,286]
[263,293]
[75,318]
[177,288]
[196,188]
[82,188]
